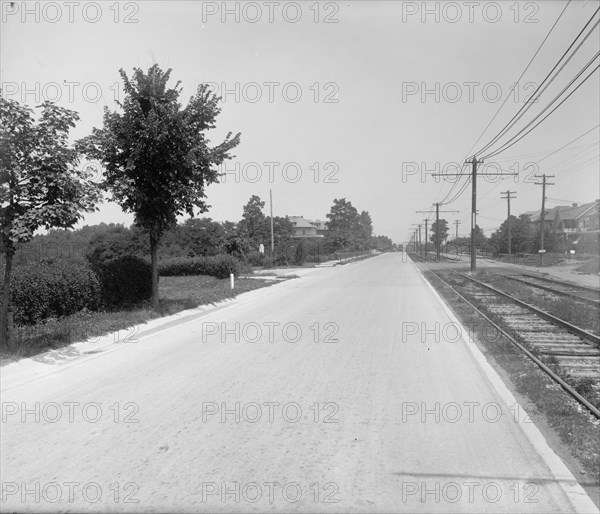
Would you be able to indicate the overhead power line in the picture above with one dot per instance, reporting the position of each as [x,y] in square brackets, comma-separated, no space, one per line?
[514,141]
[521,76]
[524,131]
[548,79]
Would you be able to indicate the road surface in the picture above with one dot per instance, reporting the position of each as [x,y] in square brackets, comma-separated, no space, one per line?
[351,389]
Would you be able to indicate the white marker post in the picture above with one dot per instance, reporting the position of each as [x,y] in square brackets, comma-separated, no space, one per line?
[231,279]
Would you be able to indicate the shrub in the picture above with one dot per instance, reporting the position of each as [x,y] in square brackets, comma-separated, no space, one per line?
[219,266]
[41,290]
[257,259]
[125,280]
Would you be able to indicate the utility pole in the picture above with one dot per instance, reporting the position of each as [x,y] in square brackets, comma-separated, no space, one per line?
[272,237]
[437,227]
[437,232]
[418,249]
[474,162]
[508,198]
[457,223]
[426,236]
[542,250]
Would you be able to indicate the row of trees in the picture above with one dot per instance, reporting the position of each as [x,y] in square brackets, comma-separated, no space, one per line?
[524,237]
[197,237]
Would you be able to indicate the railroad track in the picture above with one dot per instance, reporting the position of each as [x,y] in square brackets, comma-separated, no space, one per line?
[543,337]
[585,294]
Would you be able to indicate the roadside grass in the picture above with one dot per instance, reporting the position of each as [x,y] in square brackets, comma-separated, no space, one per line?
[176,294]
[578,313]
[547,404]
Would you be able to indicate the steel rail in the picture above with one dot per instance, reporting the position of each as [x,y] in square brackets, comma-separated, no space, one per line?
[561,282]
[543,314]
[566,387]
[555,291]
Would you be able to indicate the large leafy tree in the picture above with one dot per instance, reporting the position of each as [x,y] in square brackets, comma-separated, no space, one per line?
[343,224]
[40,183]
[252,225]
[255,228]
[523,235]
[439,234]
[365,231]
[202,236]
[283,230]
[383,243]
[157,157]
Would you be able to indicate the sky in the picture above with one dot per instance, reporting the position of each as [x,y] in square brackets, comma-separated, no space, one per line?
[362,100]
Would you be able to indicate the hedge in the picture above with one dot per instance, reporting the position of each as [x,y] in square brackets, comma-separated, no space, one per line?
[41,290]
[125,281]
[220,266]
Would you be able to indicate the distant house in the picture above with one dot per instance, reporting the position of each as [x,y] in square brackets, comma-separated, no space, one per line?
[570,219]
[575,224]
[304,228]
[321,227]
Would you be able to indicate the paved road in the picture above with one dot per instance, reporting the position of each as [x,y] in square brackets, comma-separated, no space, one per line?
[314,395]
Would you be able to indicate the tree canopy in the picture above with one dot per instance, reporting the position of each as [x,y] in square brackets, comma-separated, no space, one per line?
[157,156]
[438,236]
[40,183]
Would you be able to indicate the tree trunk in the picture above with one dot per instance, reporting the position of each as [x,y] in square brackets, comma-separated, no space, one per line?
[154,257]
[5,299]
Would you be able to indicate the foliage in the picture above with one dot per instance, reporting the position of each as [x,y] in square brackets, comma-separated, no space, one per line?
[252,226]
[283,230]
[41,290]
[220,266]
[255,228]
[365,231]
[480,239]
[40,185]
[157,157]
[117,242]
[257,259]
[383,244]
[125,280]
[523,236]
[347,229]
[201,237]
[300,256]
[342,225]
[439,235]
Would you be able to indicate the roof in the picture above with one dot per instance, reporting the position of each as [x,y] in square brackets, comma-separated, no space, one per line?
[573,213]
[565,212]
[320,224]
[300,222]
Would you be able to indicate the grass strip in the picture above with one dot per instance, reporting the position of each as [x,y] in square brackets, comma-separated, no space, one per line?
[176,294]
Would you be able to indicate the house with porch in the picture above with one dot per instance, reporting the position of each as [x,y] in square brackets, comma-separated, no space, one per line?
[578,226]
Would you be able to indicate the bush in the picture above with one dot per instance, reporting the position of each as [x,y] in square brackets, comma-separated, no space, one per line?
[219,266]
[41,290]
[257,259]
[125,280]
